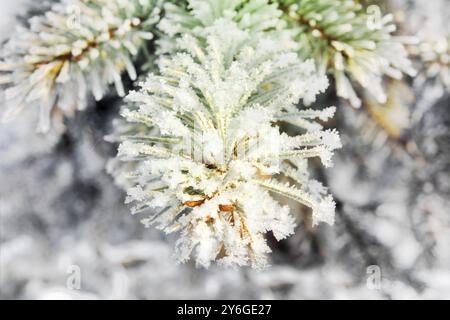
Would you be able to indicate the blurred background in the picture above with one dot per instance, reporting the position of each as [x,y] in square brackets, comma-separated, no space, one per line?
[66,234]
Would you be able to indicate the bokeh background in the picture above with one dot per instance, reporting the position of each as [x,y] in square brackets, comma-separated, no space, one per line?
[60,210]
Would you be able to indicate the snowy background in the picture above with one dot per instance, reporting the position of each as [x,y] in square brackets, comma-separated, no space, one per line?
[61,213]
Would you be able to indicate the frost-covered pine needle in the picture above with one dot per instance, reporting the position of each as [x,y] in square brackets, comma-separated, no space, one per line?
[350,42]
[434,59]
[77,47]
[211,152]
[254,16]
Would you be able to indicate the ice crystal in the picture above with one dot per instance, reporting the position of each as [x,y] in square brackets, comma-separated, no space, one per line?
[210,149]
[77,47]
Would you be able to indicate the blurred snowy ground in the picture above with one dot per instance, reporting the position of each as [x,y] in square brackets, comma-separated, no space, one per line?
[8,10]
[60,213]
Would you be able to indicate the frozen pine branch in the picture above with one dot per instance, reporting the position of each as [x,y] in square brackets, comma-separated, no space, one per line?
[391,186]
[353,44]
[434,60]
[77,47]
[213,153]
[192,18]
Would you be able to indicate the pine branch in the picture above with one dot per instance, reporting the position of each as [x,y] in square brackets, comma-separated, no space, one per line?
[223,90]
[76,48]
[350,42]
